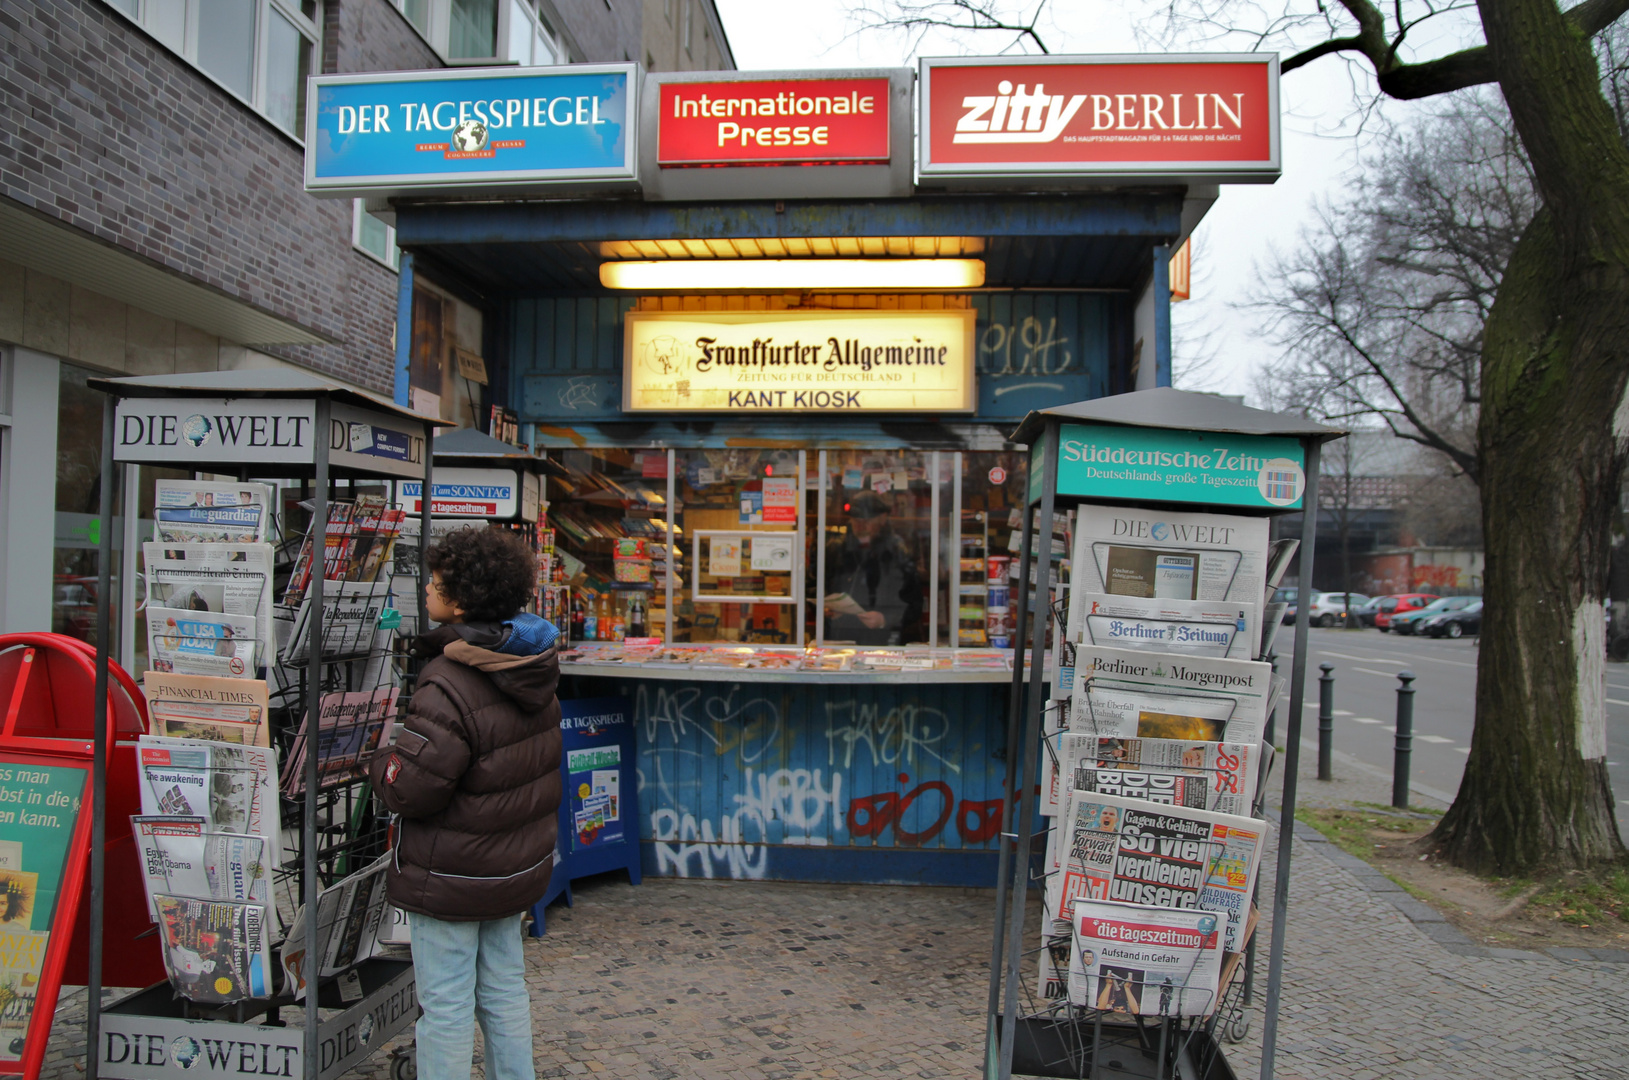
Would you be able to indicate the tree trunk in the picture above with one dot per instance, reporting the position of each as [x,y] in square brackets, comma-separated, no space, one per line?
[1552,441]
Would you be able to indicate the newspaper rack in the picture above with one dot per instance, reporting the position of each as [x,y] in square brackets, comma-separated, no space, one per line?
[1112,451]
[282,424]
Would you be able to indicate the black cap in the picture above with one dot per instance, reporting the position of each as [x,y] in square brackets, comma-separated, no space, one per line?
[867,504]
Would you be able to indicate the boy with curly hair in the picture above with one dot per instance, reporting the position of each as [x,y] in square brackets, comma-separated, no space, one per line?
[475,779]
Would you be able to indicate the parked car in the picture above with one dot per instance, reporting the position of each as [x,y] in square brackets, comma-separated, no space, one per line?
[1287,596]
[1410,622]
[1457,623]
[1329,608]
[1364,616]
[1398,604]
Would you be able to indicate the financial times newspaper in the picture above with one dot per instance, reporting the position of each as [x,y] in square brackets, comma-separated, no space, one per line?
[210,512]
[1174,772]
[1125,693]
[184,642]
[182,856]
[207,707]
[1144,961]
[1163,554]
[1207,628]
[1136,852]
[215,952]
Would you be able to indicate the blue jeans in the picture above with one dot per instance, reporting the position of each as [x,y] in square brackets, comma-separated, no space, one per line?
[464,968]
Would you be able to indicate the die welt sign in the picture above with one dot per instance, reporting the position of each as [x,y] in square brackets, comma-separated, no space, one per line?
[1206,117]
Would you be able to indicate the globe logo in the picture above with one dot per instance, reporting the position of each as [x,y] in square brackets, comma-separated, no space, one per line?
[469,136]
[1159,530]
[195,429]
[364,1028]
[184,1049]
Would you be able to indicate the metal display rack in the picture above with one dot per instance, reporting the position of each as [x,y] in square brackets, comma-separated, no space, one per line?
[1027,1036]
[280,424]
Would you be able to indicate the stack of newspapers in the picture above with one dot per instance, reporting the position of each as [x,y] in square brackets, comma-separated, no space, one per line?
[1154,754]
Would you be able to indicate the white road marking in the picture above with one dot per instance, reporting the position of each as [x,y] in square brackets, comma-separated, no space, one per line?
[1343,712]
[1432,659]
[1616,701]
[1372,671]
[1433,739]
[1364,720]
[1462,749]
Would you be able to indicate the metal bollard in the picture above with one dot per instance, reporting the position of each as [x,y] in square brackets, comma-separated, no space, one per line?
[1326,721]
[1404,744]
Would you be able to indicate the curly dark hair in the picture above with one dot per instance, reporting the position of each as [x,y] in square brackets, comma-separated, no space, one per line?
[488,572]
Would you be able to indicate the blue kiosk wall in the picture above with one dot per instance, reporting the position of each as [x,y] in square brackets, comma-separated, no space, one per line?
[794,781]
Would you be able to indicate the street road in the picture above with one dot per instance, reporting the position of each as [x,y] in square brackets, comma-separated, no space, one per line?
[1366,666]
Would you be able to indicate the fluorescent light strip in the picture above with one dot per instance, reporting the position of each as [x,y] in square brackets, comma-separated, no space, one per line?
[771,275]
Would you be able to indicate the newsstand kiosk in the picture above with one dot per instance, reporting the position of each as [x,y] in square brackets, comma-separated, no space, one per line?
[1173,566]
[289,426]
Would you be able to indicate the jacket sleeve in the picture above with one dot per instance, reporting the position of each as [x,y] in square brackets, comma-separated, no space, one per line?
[417,776]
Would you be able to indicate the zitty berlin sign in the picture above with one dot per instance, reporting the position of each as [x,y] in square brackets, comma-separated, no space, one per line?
[799,361]
[1206,116]
[448,131]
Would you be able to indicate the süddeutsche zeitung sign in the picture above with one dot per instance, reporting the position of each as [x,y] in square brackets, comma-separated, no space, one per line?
[799,361]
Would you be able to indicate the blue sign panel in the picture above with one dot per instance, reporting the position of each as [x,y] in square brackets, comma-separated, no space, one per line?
[440,130]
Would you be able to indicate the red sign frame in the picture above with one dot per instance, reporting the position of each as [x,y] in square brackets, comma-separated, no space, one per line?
[838,121]
[1200,116]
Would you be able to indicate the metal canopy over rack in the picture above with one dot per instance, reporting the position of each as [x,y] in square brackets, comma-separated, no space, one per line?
[278,423]
[1047,1047]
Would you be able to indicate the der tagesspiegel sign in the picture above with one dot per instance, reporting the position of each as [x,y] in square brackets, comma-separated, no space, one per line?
[799,361]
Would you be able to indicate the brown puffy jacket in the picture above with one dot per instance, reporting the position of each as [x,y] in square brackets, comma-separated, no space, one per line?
[475,776]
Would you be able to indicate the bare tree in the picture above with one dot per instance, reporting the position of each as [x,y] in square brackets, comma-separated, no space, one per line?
[917,18]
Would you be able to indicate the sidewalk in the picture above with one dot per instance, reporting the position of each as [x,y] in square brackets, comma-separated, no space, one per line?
[771,981]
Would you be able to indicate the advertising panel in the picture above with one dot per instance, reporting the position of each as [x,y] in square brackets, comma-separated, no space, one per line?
[1209,117]
[826,362]
[772,122]
[1105,461]
[447,130]
[484,493]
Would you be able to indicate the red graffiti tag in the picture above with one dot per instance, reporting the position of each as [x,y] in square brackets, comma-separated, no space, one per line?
[870,816]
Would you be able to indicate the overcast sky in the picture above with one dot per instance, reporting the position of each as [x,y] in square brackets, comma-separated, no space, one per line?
[1322,142]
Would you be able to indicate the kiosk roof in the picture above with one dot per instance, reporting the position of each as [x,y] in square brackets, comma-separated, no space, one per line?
[1182,410]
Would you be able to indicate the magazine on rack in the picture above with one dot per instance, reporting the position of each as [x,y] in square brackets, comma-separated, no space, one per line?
[234,788]
[1137,852]
[1126,693]
[1163,554]
[1144,961]
[231,578]
[216,951]
[184,642]
[350,727]
[350,913]
[1215,629]
[336,548]
[207,707]
[183,856]
[351,611]
[211,512]
[1207,775]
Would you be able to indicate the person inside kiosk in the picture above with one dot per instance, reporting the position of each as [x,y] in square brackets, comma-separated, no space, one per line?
[873,589]
[475,777]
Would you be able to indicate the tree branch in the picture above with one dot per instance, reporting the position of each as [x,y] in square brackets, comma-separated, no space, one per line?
[1456,71]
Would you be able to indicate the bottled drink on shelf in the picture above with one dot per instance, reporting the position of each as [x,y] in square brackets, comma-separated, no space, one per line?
[636,617]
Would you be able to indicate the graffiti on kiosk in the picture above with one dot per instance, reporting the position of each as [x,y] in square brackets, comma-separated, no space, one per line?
[1024,348]
[894,737]
[737,846]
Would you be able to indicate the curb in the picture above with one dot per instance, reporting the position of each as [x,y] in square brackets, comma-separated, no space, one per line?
[1431,922]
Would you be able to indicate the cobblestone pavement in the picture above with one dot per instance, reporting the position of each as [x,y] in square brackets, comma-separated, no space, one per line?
[769,981]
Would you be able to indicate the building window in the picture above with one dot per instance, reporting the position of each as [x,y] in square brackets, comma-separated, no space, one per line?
[532,41]
[260,51]
[472,29]
[373,237]
[667,10]
[689,17]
